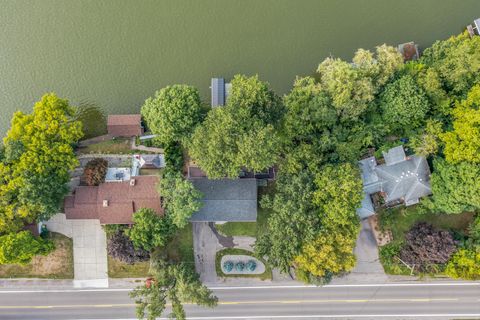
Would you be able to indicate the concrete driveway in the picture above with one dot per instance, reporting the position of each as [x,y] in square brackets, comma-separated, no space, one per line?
[368,268]
[205,246]
[89,249]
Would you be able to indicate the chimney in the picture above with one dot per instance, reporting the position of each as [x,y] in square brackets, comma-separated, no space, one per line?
[105,203]
[132,182]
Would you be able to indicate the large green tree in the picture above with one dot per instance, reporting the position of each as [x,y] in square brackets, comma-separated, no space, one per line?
[463,142]
[173,113]
[313,133]
[293,221]
[242,134]
[150,230]
[404,105]
[455,187]
[178,284]
[339,194]
[39,157]
[456,61]
[181,199]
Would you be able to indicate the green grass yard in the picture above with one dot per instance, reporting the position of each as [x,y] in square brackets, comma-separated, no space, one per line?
[114,146]
[119,269]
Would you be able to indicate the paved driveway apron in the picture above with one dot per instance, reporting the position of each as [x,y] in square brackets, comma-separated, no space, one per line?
[89,249]
[205,244]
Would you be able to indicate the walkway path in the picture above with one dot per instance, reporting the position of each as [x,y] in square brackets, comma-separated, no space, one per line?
[89,249]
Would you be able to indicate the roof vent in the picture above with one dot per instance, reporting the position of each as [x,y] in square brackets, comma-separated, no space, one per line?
[105,203]
[132,182]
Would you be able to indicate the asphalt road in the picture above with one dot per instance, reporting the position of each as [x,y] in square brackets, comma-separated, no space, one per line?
[412,301]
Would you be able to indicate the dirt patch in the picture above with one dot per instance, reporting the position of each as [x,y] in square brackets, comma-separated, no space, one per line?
[56,265]
[381,237]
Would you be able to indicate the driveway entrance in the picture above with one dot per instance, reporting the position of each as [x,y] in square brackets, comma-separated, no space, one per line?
[89,249]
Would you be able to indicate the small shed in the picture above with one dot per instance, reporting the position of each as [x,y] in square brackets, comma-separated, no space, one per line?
[124,125]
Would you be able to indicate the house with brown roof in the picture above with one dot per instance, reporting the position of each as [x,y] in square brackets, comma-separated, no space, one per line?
[114,202]
[124,125]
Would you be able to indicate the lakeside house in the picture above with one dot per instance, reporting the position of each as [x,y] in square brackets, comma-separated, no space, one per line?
[226,200]
[114,203]
[124,125]
[400,179]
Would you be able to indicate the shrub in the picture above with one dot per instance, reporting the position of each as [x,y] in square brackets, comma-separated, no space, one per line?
[150,230]
[120,247]
[111,229]
[228,266]
[19,248]
[426,247]
[251,265]
[465,264]
[95,171]
[240,266]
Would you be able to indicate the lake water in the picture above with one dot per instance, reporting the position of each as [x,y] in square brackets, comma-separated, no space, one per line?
[116,53]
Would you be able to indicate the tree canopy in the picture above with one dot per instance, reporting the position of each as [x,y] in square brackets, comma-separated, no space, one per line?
[181,199]
[150,230]
[176,282]
[456,61]
[427,247]
[455,187]
[173,113]
[39,156]
[241,134]
[404,104]
[463,142]
[293,221]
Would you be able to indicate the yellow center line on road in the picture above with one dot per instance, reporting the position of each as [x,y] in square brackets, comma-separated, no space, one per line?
[246,302]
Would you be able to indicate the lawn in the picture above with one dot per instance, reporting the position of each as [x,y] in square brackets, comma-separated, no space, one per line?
[114,146]
[267,275]
[56,265]
[181,247]
[119,269]
[399,220]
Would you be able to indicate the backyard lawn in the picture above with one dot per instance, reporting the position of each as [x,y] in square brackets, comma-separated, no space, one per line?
[56,265]
[399,221]
[114,146]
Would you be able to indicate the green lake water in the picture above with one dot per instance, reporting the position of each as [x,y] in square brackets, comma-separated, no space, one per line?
[115,53]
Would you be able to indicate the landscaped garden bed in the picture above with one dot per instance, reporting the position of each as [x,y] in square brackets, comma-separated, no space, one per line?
[400,220]
[58,264]
[244,254]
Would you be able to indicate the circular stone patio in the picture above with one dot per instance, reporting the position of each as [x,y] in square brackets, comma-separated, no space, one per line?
[242,258]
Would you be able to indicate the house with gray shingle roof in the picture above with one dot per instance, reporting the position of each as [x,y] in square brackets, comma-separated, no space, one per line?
[226,200]
[401,178]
